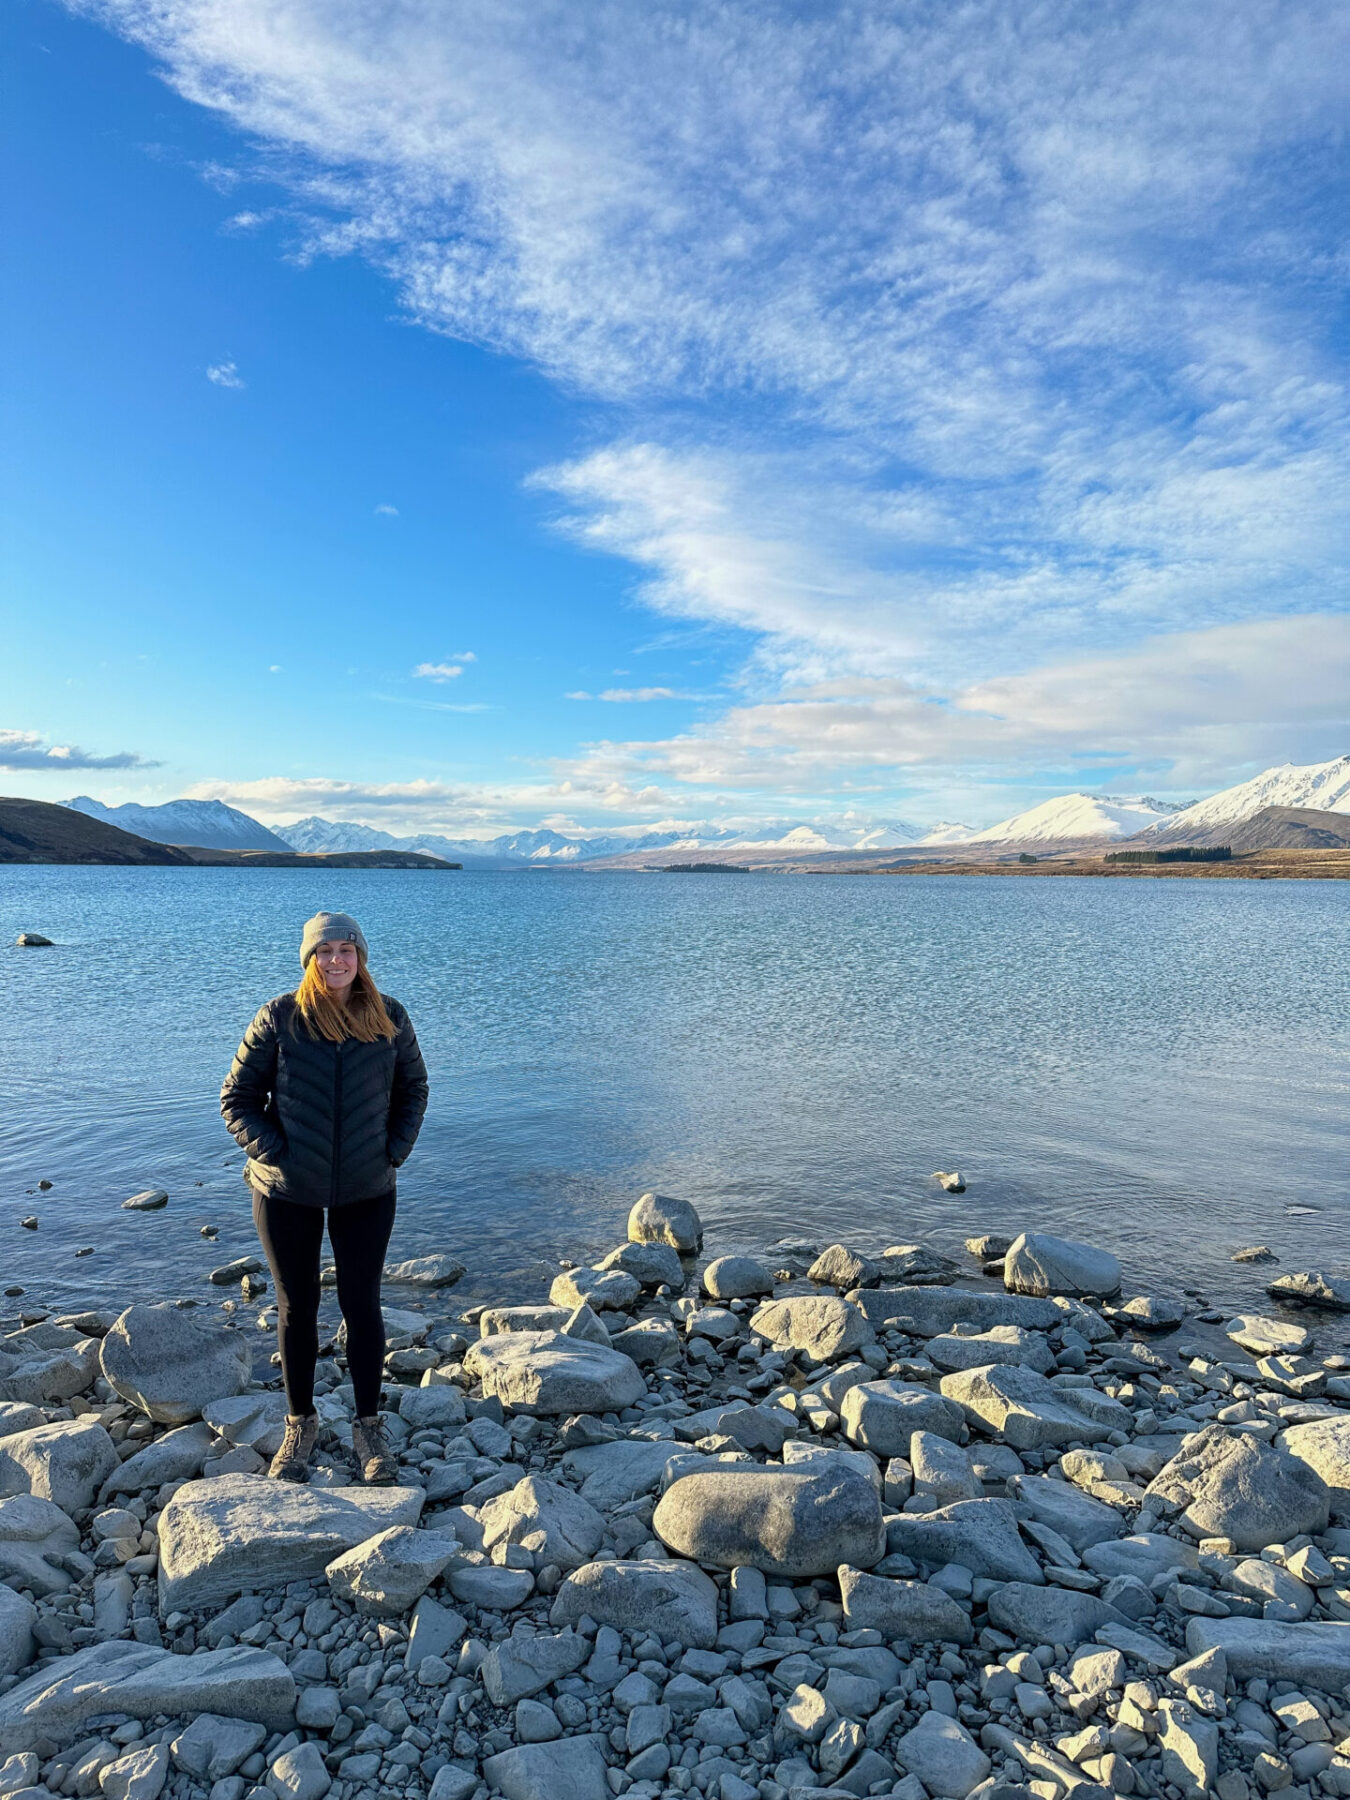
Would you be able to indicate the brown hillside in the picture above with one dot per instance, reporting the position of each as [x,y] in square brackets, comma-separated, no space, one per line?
[31,831]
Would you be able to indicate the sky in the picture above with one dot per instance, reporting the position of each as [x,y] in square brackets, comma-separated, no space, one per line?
[458,417]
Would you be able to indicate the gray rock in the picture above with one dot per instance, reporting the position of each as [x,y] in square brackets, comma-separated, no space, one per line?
[1324,1446]
[910,1610]
[654,1265]
[536,1722]
[981,1535]
[802,1450]
[1314,1654]
[258,1420]
[1145,1557]
[571,1769]
[17,1619]
[47,1380]
[1232,1485]
[612,1473]
[213,1746]
[1150,1312]
[752,1427]
[1267,1337]
[385,1575]
[1049,1615]
[228,1273]
[650,1343]
[35,1535]
[944,1756]
[453,1783]
[776,1520]
[113,1594]
[554,1524]
[1021,1407]
[1001,1344]
[882,1416]
[824,1325]
[33,940]
[19,1415]
[519,1666]
[141,1680]
[495,1319]
[148,1200]
[547,1372]
[1311,1287]
[917,1263]
[737,1278]
[171,1364]
[1040,1264]
[929,1311]
[440,1271]
[595,1288]
[436,1408]
[657,1219]
[66,1462]
[842,1268]
[675,1600]
[138,1774]
[494,1590]
[177,1456]
[436,1629]
[300,1774]
[941,1470]
[235,1533]
[1077,1517]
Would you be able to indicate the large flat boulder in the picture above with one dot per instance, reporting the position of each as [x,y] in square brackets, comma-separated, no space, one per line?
[676,1600]
[141,1680]
[1230,1484]
[571,1769]
[66,1462]
[929,1311]
[1040,1264]
[981,1535]
[882,1416]
[520,1666]
[612,1473]
[1145,1556]
[778,1520]
[581,1321]
[177,1456]
[596,1288]
[549,1372]
[48,1379]
[1000,1344]
[909,1610]
[1314,1654]
[171,1363]
[824,1325]
[1050,1615]
[241,1534]
[1021,1407]
[1079,1519]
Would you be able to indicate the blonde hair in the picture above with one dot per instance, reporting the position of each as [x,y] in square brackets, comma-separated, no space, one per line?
[365,1016]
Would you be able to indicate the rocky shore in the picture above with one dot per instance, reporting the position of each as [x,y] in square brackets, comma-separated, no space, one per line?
[808,1521]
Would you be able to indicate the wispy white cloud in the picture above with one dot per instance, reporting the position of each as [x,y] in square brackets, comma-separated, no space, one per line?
[31,752]
[226,375]
[438,671]
[630,696]
[385,511]
[954,343]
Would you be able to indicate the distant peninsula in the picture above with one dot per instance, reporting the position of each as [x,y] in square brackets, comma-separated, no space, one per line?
[32,831]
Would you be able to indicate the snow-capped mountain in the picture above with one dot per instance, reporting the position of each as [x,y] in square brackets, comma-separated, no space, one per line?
[544,846]
[1318,787]
[210,824]
[1074,816]
[947,831]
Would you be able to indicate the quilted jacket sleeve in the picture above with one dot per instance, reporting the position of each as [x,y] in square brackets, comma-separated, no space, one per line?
[246,1096]
[408,1101]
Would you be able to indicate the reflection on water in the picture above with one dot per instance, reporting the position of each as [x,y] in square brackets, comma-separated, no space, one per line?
[1161,1066]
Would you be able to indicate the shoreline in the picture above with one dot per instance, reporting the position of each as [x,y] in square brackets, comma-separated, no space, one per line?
[978,1532]
[1252,865]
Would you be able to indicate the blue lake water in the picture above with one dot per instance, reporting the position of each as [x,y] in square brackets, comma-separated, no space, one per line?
[1161,1066]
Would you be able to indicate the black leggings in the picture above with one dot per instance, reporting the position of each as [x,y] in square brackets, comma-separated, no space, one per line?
[292,1236]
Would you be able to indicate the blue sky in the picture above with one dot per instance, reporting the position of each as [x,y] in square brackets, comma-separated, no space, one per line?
[459,417]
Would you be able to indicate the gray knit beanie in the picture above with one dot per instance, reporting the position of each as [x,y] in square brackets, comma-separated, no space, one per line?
[340,928]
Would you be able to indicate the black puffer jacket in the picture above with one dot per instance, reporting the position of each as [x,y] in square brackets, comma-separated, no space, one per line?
[323,1124]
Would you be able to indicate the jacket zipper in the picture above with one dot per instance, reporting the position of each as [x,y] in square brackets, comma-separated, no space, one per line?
[337,1125]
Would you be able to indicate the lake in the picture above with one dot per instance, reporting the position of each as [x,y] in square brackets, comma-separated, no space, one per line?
[1161,1067]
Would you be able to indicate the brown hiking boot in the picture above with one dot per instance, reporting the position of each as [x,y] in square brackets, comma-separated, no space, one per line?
[291,1462]
[375,1462]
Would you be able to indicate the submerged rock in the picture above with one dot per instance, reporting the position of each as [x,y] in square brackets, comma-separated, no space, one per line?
[150,1200]
[658,1219]
[1037,1263]
[1312,1287]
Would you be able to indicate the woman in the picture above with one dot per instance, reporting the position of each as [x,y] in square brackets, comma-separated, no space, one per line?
[326,1094]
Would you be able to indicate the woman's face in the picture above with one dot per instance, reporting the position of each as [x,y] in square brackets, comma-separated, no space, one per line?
[337,964]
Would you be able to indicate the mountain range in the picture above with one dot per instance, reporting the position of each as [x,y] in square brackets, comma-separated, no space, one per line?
[1069,819]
